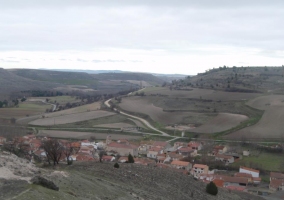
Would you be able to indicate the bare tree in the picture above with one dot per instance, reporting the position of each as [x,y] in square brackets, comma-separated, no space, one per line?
[69,149]
[53,150]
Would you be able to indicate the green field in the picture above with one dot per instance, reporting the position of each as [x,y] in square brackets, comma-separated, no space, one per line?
[265,161]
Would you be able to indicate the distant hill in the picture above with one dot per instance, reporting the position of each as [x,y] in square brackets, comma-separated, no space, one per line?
[151,79]
[67,78]
[11,82]
[238,79]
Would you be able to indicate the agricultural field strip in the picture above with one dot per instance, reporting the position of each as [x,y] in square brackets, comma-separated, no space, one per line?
[75,117]
[140,119]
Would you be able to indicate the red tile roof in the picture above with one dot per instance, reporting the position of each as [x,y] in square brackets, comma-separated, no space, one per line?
[155,149]
[84,158]
[276,183]
[180,163]
[218,182]
[276,175]
[200,166]
[243,175]
[159,143]
[124,146]
[107,158]
[194,144]
[186,149]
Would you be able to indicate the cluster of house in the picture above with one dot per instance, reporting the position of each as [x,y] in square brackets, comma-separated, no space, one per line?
[239,181]
[160,154]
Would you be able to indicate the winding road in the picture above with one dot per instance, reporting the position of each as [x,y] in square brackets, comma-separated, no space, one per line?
[138,118]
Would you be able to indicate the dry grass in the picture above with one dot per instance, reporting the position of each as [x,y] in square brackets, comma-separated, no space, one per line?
[65,119]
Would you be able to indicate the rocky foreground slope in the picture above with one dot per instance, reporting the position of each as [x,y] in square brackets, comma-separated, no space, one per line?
[94,180]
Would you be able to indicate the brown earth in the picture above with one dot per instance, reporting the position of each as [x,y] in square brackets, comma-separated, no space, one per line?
[271,124]
[222,122]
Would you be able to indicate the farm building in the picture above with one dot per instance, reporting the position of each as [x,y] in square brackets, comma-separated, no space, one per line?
[253,172]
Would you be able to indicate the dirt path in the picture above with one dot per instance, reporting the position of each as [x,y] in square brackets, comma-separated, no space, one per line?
[138,118]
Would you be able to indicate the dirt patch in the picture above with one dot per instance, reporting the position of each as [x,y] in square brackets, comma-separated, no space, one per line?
[85,135]
[65,119]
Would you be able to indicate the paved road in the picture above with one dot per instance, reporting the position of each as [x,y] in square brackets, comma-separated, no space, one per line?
[140,119]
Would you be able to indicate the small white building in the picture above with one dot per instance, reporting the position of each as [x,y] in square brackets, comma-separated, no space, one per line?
[253,172]
[246,153]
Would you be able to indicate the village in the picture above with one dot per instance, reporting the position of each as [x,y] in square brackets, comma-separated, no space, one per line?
[179,157]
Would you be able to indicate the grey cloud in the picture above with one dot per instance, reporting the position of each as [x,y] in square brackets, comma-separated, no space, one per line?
[159,3]
[173,26]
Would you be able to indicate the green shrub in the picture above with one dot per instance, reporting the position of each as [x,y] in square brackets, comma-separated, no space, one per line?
[211,188]
[116,165]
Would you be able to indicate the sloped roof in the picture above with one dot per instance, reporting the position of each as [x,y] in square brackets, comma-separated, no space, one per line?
[249,169]
[245,175]
[200,166]
[276,175]
[160,143]
[180,163]
[124,146]
[276,183]
[218,182]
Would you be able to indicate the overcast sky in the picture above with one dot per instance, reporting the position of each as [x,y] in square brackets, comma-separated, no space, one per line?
[161,36]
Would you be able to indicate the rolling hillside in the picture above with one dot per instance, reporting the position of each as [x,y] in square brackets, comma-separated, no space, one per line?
[151,79]
[11,82]
[67,78]
[238,79]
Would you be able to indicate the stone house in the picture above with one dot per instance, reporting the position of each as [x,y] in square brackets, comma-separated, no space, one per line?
[198,169]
